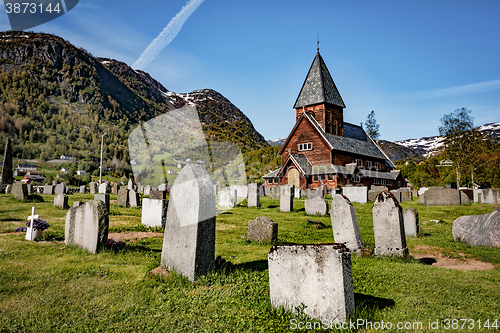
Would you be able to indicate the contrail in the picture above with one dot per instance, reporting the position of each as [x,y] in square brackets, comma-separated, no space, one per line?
[167,35]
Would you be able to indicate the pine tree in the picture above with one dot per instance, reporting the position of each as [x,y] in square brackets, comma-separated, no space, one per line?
[372,127]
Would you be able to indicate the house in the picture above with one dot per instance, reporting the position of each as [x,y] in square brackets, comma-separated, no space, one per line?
[80,173]
[34,176]
[66,157]
[324,150]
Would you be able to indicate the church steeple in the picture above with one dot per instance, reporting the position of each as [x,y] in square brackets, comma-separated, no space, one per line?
[320,97]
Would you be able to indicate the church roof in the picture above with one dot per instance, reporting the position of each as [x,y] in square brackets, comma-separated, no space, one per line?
[318,86]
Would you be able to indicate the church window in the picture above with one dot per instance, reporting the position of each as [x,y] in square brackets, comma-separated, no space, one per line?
[377,165]
[355,178]
[368,164]
[305,146]
[315,178]
[359,162]
[270,180]
[330,177]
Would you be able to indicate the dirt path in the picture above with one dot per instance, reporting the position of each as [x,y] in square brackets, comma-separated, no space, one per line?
[132,236]
[434,256]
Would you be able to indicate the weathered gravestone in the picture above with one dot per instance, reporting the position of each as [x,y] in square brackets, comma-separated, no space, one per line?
[406,196]
[388,226]
[241,190]
[61,201]
[410,220]
[490,196]
[133,198]
[158,194]
[478,230]
[396,194]
[48,189]
[93,187]
[356,193]
[103,188]
[140,188]
[464,198]
[162,187]
[147,189]
[345,223]
[122,199]
[477,193]
[8,188]
[253,195]
[189,241]
[422,190]
[318,276]
[60,188]
[7,171]
[267,191]
[315,192]
[227,198]
[262,229]
[130,185]
[372,195]
[78,203]
[83,189]
[298,193]
[29,187]
[154,212]
[104,198]
[20,191]
[275,192]
[114,189]
[87,226]
[316,205]
[286,198]
[436,196]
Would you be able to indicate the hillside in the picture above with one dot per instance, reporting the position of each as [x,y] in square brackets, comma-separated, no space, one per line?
[57,99]
[398,152]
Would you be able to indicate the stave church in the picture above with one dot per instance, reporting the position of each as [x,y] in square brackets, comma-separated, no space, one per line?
[324,150]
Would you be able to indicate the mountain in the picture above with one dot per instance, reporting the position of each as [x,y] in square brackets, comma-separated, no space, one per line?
[427,145]
[398,152]
[276,142]
[57,99]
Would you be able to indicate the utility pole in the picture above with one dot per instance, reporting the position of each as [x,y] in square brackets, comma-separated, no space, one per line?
[100,166]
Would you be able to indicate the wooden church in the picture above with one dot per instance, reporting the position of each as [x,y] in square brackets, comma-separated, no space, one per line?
[322,149]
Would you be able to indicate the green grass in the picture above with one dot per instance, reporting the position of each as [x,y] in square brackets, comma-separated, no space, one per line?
[46,286]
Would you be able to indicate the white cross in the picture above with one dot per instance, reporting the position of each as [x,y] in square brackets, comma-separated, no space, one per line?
[29,232]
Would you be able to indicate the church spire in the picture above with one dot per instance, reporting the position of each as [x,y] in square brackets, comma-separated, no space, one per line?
[318,86]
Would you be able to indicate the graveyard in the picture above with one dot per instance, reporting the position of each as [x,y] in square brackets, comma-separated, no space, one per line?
[48,285]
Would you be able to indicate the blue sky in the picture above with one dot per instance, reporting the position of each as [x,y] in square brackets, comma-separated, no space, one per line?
[409,61]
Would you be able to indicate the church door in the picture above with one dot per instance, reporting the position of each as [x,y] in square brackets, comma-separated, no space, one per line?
[293,177]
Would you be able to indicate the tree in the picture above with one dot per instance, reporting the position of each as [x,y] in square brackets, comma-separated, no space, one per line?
[463,143]
[372,126]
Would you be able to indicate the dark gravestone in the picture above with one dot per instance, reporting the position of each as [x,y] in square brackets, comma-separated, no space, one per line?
[122,199]
[157,194]
[7,173]
[478,230]
[20,191]
[262,229]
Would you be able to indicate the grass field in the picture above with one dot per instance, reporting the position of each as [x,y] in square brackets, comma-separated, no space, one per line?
[46,286]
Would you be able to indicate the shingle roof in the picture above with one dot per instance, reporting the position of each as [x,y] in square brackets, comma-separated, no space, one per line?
[302,162]
[272,174]
[318,86]
[376,174]
[329,169]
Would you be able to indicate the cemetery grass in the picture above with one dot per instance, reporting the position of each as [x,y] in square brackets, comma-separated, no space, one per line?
[47,286]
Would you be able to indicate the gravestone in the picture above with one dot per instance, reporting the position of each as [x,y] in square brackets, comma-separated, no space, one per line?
[189,241]
[396,194]
[316,192]
[93,187]
[253,195]
[378,188]
[77,203]
[275,192]
[83,189]
[406,196]
[87,226]
[20,191]
[345,223]
[477,194]
[114,189]
[29,187]
[436,196]
[140,188]
[162,187]
[388,226]
[356,193]
[262,229]
[414,194]
[410,220]
[61,201]
[122,199]
[490,196]
[316,205]
[469,192]
[262,191]
[318,276]
[286,198]
[147,189]
[267,191]
[158,194]
[133,198]
[60,188]
[227,198]
[8,188]
[478,230]
[48,189]
[241,190]
[130,185]
[298,193]
[7,170]
[464,198]
[104,198]
[372,195]
[103,188]
[422,190]
[154,212]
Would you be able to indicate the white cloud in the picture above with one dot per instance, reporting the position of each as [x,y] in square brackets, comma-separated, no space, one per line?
[455,91]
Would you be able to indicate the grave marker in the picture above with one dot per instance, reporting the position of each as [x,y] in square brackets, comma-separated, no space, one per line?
[345,223]
[262,229]
[286,198]
[31,233]
[253,195]
[410,219]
